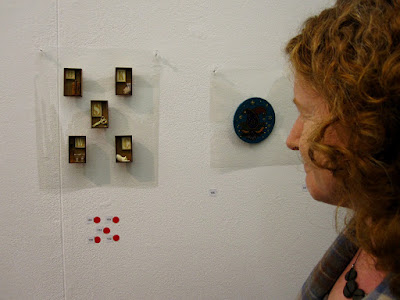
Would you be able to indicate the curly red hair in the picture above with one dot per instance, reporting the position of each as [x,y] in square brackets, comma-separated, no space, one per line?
[350,55]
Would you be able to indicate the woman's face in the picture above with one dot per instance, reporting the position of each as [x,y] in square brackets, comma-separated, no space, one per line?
[312,110]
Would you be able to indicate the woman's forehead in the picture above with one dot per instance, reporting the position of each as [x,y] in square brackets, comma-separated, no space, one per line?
[305,87]
[304,92]
[306,97]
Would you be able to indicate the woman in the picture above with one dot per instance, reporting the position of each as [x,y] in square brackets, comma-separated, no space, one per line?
[346,64]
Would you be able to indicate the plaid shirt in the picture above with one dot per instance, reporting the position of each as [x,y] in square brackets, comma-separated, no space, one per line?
[330,267]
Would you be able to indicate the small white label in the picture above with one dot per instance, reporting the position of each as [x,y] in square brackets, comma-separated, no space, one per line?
[109,219]
[90,240]
[213,192]
[304,188]
[89,220]
[109,239]
[99,229]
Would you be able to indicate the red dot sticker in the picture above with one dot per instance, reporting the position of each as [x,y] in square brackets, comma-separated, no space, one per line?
[97,239]
[106,230]
[116,238]
[96,220]
[115,219]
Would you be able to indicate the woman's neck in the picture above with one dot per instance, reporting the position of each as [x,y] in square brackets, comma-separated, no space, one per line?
[368,277]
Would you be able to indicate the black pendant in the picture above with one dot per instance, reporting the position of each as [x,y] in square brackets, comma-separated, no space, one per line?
[358,294]
[351,275]
[351,289]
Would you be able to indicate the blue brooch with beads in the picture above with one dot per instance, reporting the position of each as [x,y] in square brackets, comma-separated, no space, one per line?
[254,120]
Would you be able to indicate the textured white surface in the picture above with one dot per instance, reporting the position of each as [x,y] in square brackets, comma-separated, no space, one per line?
[257,239]
[31,249]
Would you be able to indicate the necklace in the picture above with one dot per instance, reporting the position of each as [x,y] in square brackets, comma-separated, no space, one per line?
[351,290]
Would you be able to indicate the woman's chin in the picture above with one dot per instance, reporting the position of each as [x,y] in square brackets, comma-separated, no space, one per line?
[322,193]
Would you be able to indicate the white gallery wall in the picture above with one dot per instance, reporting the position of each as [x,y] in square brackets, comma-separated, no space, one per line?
[257,238]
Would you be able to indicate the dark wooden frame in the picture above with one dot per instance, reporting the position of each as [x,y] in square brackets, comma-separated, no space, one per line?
[73,151]
[104,108]
[120,86]
[118,148]
[73,87]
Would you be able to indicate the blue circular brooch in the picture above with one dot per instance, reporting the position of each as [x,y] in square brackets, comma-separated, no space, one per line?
[254,120]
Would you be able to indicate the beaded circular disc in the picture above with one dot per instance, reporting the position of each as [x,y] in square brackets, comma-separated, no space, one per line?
[254,120]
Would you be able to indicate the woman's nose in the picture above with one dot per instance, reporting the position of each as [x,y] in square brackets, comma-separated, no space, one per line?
[292,141]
